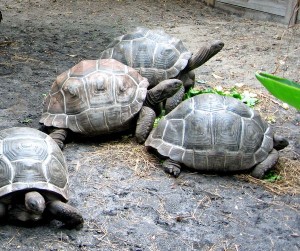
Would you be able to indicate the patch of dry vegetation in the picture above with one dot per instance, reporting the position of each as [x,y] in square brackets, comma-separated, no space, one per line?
[125,152]
[143,163]
[289,178]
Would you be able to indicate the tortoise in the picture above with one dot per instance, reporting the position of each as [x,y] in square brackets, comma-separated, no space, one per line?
[34,179]
[159,56]
[214,133]
[97,97]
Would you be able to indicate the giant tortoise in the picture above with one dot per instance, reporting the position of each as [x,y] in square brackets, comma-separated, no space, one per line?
[97,97]
[159,56]
[210,132]
[33,178]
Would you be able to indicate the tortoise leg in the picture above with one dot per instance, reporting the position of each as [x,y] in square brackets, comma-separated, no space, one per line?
[65,213]
[59,136]
[175,100]
[144,124]
[172,167]
[260,169]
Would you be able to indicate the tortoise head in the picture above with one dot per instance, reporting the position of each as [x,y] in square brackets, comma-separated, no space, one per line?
[205,53]
[279,142]
[35,202]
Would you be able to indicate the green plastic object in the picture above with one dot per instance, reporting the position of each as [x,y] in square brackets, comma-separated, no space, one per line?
[282,88]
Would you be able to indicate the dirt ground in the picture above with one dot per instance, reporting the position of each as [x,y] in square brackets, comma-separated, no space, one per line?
[126,199]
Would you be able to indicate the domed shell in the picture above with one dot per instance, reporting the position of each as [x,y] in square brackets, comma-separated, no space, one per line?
[95,97]
[31,160]
[153,53]
[213,132]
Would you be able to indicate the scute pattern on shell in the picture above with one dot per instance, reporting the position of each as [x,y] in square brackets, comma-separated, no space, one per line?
[30,159]
[95,97]
[153,53]
[212,132]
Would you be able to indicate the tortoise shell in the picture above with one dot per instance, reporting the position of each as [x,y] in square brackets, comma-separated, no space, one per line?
[95,97]
[31,160]
[213,132]
[153,53]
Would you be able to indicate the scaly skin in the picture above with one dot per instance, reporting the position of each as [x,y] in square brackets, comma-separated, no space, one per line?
[65,213]
[156,95]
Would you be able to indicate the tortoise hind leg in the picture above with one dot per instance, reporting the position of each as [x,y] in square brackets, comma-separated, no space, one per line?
[59,136]
[172,167]
[260,169]
[65,213]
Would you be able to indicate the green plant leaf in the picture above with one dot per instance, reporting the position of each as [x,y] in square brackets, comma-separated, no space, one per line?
[156,121]
[272,176]
[246,97]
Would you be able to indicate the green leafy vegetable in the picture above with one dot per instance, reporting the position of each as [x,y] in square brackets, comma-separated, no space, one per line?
[162,114]
[246,97]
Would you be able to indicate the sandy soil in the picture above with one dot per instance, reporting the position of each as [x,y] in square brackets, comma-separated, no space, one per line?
[127,201]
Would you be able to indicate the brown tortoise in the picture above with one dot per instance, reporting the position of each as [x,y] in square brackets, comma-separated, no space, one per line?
[97,97]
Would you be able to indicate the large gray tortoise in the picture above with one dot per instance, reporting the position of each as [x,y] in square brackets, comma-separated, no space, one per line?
[214,133]
[97,97]
[159,56]
[33,179]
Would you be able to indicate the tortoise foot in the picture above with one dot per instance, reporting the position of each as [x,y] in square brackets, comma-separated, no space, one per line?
[172,167]
[260,170]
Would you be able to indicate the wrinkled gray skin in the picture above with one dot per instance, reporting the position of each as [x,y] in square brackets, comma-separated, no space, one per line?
[35,208]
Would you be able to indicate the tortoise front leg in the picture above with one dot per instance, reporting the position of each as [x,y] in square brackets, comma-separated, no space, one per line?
[260,169]
[59,136]
[172,167]
[144,124]
[65,213]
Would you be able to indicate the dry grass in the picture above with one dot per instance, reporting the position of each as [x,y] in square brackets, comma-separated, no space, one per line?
[125,152]
[289,181]
[143,163]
